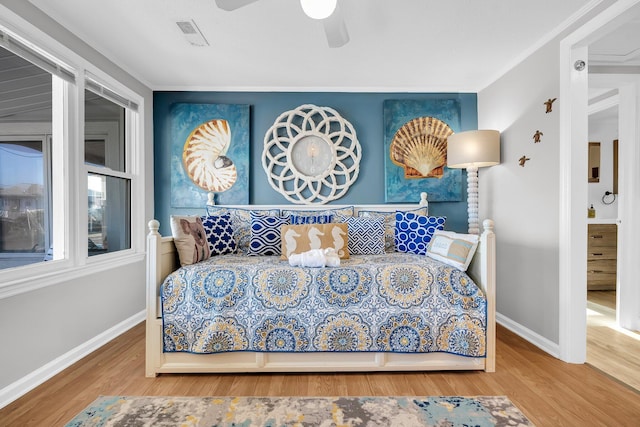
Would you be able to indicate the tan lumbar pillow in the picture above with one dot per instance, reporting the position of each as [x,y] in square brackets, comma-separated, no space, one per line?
[297,239]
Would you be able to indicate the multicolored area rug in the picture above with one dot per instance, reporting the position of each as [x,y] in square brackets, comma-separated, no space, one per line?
[449,411]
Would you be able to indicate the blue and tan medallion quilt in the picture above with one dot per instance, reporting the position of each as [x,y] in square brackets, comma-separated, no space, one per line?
[396,302]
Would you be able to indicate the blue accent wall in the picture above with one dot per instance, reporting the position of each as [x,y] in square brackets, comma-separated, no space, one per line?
[363,110]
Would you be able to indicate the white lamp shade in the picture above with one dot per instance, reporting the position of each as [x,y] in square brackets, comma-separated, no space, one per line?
[318,9]
[477,148]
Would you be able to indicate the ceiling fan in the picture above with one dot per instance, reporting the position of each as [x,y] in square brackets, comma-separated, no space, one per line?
[328,11]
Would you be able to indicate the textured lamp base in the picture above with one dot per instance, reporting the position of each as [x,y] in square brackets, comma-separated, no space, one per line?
[472,200]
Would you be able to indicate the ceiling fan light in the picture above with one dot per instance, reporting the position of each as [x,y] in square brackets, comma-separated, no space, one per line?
[318,9]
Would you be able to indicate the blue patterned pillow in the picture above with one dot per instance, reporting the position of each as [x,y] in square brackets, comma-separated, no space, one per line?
[241,220]
[390,224]
[310,219]
[219,234]
[265,234]
[366,235]
[413,231]
[338,214]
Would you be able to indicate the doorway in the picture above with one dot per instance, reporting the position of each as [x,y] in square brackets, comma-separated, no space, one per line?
[609,347]
[575,85]
[602,198]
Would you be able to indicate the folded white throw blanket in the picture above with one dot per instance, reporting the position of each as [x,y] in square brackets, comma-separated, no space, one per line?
[315,258]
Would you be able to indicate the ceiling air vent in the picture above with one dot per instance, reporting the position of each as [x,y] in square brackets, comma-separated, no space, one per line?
[192,32]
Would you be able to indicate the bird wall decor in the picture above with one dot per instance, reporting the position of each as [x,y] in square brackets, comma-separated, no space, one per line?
[549,104]
[522,160]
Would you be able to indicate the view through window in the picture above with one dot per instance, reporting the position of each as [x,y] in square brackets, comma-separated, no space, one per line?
[25,161]
[24,208]
[109,183]
[32,193]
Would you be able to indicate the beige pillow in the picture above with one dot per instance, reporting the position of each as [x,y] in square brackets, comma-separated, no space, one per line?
[190,239]
[297,239]
[453,249]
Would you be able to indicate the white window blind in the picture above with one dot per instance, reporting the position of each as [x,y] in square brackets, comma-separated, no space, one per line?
[100,89]
[36,56]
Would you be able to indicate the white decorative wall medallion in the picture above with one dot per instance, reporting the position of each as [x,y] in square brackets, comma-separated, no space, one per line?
[311,155]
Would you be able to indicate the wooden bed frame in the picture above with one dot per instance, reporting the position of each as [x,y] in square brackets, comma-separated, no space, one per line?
[162,260]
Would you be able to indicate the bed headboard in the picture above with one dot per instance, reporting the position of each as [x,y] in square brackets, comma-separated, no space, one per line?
[377,207]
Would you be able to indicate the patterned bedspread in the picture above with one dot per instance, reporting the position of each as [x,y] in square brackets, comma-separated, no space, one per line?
[396,302]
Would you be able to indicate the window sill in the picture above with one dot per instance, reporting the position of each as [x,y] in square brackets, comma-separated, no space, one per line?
[31,282]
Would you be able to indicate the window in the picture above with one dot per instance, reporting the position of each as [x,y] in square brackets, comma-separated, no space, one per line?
[52,179]
[24,200]
[26,95]
[109,180]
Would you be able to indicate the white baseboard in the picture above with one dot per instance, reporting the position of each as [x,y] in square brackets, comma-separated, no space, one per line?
[538,340]
[25,384]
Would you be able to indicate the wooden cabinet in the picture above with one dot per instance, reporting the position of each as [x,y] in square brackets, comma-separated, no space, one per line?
[602,251]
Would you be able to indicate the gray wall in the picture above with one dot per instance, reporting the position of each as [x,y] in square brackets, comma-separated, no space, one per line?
[524,201]
[42,325]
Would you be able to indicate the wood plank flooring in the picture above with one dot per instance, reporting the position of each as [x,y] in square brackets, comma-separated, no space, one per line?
[549,392]
[603,298]
[611,349]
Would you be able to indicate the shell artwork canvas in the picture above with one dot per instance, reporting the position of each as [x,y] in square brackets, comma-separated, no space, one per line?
[420,147]
[415,137]
[209,153]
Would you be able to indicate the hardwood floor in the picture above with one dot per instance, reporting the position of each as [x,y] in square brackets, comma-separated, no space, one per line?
[603,298]
[549,392]
[611,349]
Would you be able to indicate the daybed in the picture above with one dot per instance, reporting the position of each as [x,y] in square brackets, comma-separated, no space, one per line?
[249,327]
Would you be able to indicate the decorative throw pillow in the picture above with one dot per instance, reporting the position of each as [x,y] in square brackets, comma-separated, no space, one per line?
[413,231]
[297,239]
[219,234]
[310,219]
[452,248]
[390,224]
[338,214]
[366,235]
[265,234]
[241,220]
[190,239]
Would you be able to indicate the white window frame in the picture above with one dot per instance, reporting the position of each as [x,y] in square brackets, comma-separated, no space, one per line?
[69,189]
[133,162]
[109,132]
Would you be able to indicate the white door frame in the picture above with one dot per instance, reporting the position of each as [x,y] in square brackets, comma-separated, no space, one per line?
[573,185]
[627,295]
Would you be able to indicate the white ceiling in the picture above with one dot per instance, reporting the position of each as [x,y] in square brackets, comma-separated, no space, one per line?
[621,47]
[400,45]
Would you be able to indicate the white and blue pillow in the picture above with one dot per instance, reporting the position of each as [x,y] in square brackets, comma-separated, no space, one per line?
[453,249]
[390,224]
[219,232]
[413,231]
[265,234]
[310,219]
[241,220]
[366,235]
[337,214]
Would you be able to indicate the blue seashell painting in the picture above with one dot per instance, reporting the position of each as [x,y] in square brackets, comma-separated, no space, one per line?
[402,182]
[221,165]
